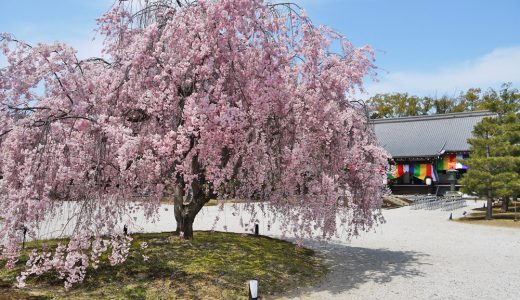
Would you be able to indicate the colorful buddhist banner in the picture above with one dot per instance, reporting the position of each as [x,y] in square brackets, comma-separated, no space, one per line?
[449,162]
[420,171]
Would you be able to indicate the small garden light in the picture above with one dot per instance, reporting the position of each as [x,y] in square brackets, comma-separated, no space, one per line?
[253,289]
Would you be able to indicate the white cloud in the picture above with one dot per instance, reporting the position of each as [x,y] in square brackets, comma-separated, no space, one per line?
[499,66]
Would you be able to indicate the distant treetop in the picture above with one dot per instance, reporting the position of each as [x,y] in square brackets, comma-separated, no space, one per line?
[393,105]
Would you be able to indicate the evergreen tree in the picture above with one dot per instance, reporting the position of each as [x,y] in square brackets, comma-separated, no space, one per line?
[495,160]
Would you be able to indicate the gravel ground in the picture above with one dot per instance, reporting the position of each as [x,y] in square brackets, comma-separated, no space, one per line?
[423,255]
[416,254]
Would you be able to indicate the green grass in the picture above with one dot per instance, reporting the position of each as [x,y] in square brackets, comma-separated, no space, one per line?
[214,265]
[502,219]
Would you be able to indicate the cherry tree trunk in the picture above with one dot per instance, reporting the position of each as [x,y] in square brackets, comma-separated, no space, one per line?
[187,206]
[185,216]
[184,224]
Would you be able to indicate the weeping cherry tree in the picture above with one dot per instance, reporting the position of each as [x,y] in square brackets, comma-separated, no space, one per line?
[223,99]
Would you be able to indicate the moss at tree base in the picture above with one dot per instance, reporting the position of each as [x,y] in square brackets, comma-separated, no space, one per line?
[214,265]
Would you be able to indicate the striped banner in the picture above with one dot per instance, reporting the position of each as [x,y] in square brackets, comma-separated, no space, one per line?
[420,171]
[449,162]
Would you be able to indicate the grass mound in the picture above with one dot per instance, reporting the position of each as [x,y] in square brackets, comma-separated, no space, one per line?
[214,265]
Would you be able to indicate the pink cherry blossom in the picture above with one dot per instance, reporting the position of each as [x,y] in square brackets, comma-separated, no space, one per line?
[227,99]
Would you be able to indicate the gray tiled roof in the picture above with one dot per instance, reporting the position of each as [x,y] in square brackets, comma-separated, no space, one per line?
[427,135]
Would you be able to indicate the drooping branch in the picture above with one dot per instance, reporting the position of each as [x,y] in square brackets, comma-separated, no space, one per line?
[228,99]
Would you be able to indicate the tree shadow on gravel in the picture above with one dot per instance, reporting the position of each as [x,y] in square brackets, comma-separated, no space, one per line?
[350,267]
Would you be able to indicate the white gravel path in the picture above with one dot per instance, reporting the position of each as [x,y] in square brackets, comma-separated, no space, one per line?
[423,255]
[416,254]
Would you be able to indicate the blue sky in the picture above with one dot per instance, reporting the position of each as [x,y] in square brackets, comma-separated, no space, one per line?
[433,47]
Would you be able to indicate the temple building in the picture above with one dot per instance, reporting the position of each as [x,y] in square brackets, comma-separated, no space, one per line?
[427,151]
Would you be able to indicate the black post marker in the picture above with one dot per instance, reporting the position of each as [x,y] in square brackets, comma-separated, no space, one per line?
[257,230]
[125,230]
[451,216]
[24,233]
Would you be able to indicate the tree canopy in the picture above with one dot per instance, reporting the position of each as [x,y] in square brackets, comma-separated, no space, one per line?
[207,99]
[392,105]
